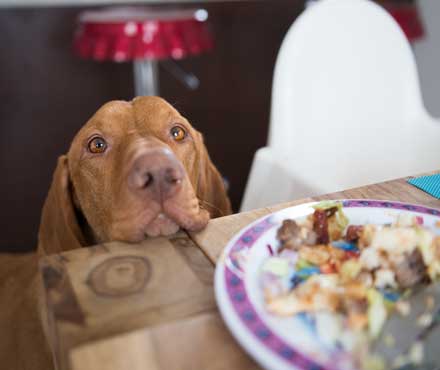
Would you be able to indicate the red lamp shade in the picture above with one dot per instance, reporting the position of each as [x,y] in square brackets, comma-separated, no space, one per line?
[125,34]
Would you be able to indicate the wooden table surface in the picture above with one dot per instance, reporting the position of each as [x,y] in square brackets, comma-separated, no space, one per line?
[151,305]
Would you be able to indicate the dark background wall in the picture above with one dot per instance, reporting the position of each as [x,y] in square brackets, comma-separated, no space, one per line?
[47,94]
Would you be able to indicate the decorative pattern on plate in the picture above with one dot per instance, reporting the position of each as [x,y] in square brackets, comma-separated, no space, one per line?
[393,205]
[245,310]
[237,256]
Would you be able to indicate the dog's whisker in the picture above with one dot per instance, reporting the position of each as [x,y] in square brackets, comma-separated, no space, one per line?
[203,203]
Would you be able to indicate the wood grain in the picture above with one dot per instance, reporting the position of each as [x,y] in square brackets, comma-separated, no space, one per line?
[114,288]
[219,231]
[200,342]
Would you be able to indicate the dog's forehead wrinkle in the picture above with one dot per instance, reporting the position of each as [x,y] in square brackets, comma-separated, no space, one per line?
[151,111]
[116,121]
[111,120]
[113,129]
[115,107]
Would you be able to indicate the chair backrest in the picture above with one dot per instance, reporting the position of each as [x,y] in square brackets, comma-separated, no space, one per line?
[346,102]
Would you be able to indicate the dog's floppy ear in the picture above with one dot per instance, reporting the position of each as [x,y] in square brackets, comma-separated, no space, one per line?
[210,186]
[59,228]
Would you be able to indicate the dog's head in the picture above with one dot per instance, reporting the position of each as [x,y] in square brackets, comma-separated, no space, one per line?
[136,169]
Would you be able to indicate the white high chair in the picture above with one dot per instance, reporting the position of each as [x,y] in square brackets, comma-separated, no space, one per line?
[346,107]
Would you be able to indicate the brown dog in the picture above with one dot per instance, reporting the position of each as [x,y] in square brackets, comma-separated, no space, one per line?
[136,169]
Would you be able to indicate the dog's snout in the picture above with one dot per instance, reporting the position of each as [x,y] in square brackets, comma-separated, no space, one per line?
[172,176]
[156,172]
[166,177]
[142,179]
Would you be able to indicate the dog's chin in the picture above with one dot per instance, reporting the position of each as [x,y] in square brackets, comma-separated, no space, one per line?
[156,219]
[162,225]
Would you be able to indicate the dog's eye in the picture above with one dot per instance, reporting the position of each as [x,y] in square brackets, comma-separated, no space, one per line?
[97,145]
[178,133]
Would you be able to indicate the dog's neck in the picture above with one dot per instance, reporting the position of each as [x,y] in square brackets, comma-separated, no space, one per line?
[89,235]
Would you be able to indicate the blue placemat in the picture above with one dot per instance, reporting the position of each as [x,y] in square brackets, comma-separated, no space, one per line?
[429,184]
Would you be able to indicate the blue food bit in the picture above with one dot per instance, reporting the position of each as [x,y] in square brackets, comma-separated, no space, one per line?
[346,246]
[295,280]
[390,295]
[308,320]
[306,272]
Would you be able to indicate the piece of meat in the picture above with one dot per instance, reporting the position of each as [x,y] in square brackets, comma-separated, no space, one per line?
[353,233]
[320,226]
[292,236]
[288,230]
[411,270]
[289,234]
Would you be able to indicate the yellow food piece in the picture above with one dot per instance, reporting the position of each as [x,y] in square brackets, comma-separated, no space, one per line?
[350,270]
[377,312]
[317,255]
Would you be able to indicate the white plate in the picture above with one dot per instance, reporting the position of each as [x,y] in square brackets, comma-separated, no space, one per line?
[286,343]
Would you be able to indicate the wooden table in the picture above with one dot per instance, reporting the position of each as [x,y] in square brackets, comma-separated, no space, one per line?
[151,305]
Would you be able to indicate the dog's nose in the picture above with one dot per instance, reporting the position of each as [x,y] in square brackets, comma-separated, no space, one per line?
[156,172]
